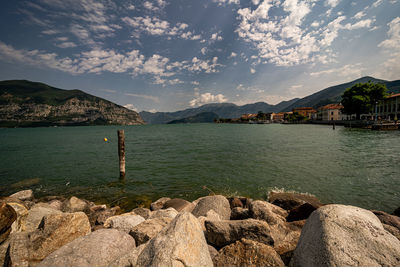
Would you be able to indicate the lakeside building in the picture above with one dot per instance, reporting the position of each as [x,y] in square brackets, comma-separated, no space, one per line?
[248,116]
[330,112]
[307,112]
[279,117]
[389,108]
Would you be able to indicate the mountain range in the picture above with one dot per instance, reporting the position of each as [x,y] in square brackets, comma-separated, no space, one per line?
[228,110]
[27,104]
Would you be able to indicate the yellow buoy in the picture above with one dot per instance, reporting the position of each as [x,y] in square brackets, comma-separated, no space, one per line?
[105,139]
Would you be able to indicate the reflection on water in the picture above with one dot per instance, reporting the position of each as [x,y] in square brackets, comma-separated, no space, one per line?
[350,166]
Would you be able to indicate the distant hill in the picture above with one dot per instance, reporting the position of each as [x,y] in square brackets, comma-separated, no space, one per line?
[223,110]
[198,118]
[228,110]
[26,104]
[333,94]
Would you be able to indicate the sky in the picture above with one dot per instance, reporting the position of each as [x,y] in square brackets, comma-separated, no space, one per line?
[168,55]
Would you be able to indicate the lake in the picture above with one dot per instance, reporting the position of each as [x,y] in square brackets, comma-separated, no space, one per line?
[349,166]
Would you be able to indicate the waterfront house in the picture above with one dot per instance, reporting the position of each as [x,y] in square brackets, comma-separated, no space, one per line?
[389,108]
[330,112]
[248,116]
[307,112]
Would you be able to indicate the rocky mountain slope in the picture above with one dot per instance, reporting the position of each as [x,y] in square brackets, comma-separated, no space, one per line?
[26,104]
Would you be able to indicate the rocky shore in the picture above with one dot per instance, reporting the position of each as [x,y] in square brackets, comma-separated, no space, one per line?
[290,229]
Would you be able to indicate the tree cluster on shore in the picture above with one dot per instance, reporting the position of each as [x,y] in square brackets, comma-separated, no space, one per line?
[290,229]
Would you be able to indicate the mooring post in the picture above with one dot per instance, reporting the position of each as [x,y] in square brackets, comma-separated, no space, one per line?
[333,126]
[121,153]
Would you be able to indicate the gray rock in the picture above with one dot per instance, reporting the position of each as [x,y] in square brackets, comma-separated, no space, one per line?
[159,204]
[210,216]
[222,233]
[75,204]
[387,218]
[240,213]
[213,252]
[56,204]
[124,222]
[21,210]
[268,212]
[181,243]
[56,230]
[3,250]
[31,221]
[169,213]
[396,212]
[23,195]
[98,215]
[100,248]
[145,213]
[339,235]
[288,201]
[217,203]
[129,259]
[179,205]
[248,253]
[393,230]
[148,229]
[7,218]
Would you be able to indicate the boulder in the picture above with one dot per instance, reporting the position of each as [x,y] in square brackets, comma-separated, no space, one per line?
[169,213]
[181,243]
[393,230]
[339,235]
[159,204]
[289,201]
[99,214]
[148,229]
[145,213]
[222,233]
[217,203]
[7,218]
[128,259]
[22,212]
[247,253]
[123,222]
[211,216]
[56,204]
[213,252]
[3,250]
[300,212]
[75,204]
[388,219]
[31,221]
[235,202]
[56,230]
[23,195]
[268,212]
[286,237]
[179,205]
[100,248]
[240,214]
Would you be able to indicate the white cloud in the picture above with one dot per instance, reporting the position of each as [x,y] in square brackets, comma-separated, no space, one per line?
[216,37]
[155,26]
[347,71]
[66,45]
[332,3]
[255,2]
[252,70]
[377,3]
[195,83]
[233,54]
[359,15]
[221,2]
[148,97]
[208,66]
[203,50]
[393,42]
[207,98]
[131,107]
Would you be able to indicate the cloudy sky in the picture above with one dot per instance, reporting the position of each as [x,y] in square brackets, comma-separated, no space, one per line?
[167,55]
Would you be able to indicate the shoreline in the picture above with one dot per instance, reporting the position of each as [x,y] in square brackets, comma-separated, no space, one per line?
[276,231]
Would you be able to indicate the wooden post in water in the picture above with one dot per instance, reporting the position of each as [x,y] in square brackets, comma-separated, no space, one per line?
[121,153]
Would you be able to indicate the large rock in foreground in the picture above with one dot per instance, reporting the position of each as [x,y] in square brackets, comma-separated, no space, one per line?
[338,235]
[7,217]
[56,230]
[100,248]
[181,243]
[217,203]
[248,253]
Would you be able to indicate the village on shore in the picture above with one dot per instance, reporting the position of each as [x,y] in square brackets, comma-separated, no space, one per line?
[385,116]
[289,229]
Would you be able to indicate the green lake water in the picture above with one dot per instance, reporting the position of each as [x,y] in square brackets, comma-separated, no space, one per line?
[349,166]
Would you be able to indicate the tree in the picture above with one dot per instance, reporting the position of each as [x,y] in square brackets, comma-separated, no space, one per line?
[362,97]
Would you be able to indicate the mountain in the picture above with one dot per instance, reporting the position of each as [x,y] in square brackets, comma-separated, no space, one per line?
[333,94]
[223,110]
[199,118]
[26,104]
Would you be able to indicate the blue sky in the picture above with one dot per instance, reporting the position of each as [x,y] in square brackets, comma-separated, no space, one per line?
[167,55]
